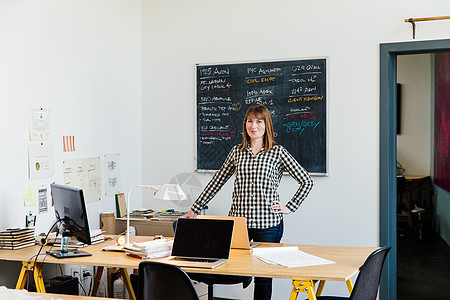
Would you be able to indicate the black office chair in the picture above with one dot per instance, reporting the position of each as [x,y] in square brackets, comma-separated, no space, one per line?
[211,279]
[422,211]
[404,206]
[401,190]
[366,285]
[158,281]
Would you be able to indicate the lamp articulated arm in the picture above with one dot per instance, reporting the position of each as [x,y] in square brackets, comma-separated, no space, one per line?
[128,206]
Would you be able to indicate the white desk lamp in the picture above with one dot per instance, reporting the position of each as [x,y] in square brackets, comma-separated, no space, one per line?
[166,192]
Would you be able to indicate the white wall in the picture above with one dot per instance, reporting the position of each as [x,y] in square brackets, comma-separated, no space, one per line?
[343,209]
[82,60]
[414,141]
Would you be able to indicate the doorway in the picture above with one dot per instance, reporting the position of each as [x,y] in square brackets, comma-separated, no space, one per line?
[422,253]
[388,150]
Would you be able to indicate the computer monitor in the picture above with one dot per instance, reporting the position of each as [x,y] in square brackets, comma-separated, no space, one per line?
[70,210]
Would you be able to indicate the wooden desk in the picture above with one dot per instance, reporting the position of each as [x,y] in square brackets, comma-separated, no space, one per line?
[14,294]
[411,178]
[241,262]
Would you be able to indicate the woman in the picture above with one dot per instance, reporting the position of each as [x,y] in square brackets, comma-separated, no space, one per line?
[258,163]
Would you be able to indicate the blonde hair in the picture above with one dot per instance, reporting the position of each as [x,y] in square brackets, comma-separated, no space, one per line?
[260,112]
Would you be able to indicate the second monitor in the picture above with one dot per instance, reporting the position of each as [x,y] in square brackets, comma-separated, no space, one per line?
[70,210]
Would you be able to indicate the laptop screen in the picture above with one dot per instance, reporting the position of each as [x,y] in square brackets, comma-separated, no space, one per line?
[203,238]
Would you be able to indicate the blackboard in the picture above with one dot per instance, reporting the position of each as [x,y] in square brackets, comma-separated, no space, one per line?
[295,93]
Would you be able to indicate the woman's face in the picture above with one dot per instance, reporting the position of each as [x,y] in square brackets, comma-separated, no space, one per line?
[256,127]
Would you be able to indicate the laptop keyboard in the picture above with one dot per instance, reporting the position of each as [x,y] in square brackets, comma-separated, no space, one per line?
[206,260]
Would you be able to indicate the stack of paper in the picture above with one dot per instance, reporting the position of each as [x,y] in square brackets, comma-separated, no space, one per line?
[151,249]
[96,237]
[16,238]
[289,257]
[142,213]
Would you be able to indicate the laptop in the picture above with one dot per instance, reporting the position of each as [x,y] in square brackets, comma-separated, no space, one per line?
[240,232]
[201,243]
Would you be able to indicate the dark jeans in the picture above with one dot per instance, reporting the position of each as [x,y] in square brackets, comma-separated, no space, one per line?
[263,286]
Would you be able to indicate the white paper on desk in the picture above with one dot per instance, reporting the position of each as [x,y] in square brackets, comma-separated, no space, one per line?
[154,244]
[266,261]
[6,293]
[289,257]
[114,247]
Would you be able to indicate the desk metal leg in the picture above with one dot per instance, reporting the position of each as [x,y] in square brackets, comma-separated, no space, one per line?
[125,278]
[127,282]
[38,279]
[305,286]
[349,285]
[98,277]
[320,287]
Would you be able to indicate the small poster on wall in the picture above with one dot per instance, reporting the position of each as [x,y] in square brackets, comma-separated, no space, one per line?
[40,160]
[42,200]
[113,183]
[84,173]
[40,125]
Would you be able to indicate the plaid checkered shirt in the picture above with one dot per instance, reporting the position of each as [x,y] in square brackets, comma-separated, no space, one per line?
[256,184]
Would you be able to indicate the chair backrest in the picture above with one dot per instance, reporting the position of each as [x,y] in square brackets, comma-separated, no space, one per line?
[401,184]
[366,285]
[158,281]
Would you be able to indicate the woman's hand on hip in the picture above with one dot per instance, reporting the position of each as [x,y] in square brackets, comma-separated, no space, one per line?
[279,208]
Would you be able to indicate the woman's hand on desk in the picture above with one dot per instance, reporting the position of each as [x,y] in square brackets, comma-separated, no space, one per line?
[189,214]
[279,208]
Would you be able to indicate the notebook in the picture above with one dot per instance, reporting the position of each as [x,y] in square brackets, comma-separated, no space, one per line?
[201,243]
[240,232]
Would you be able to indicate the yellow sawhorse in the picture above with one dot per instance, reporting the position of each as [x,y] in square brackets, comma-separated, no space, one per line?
[36,268]
[308,287]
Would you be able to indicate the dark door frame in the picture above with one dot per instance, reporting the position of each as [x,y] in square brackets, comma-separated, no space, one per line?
[388,150]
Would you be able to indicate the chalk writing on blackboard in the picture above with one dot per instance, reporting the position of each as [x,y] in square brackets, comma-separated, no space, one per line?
[295,93]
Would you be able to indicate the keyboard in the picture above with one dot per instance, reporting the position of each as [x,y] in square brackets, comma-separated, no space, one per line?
[206,260]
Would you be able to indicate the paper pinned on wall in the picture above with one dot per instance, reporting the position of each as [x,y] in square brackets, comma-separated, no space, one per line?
[69,143]
[40,124]
[41,161]
[84,173]
[29,197]
[42,200]
[113,182]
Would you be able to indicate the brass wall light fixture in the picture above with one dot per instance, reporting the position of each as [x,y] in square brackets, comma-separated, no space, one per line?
[414,20]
